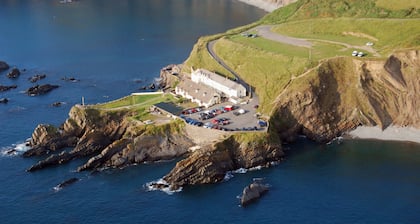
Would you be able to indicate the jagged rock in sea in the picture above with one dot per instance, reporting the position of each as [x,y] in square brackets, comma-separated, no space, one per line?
[210,165]
[4,100]
[253,192]
[46,139]
[13,74]
[3,66]
[66,183]
[37,77]
[40,89]
[7,88]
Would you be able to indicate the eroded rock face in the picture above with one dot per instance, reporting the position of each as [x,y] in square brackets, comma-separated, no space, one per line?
[103,137]
[343,93]
[209,165]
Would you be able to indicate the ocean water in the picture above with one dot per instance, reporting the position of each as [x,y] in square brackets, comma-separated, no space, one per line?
[111,46]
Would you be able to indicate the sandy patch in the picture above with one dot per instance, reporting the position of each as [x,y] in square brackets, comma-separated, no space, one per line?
[391,133]
[266,5]
[362,35]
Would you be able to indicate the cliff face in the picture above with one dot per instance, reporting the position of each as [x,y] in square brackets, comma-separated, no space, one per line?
[343,93]
[209,165]
[107,138]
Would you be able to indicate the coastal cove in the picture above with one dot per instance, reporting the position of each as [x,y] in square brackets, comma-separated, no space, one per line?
[112,50]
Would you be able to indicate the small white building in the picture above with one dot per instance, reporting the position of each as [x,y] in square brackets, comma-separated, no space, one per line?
[222,84]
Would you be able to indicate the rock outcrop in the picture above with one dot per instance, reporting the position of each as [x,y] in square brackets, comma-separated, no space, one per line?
[169,76]
[107,138]
[253,192]
[210,165]
[343,93]
[37,77]
[40,89]
[7,88]
[3,66]
[13,74]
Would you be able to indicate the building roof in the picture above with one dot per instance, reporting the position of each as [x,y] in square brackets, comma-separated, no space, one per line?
[220,79]
[169,108]
[197,91]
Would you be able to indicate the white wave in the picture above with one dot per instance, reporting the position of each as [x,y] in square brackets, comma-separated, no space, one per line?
[57,188]
[275,163]
[255,168]
[240,170]
[338,140]
[161,185]
[228,176]
[15,149]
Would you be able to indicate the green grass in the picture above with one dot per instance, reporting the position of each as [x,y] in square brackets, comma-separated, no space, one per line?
[268,72]
[362,31]
[131,101]
[271,46]
[307,9]
[137,106]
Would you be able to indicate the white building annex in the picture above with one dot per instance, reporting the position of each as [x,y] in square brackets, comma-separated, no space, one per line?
[200,94]
[222,84]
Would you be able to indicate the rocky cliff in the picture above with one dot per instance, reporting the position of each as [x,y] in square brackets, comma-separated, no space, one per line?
[210,164]
[107,138]
[343,93]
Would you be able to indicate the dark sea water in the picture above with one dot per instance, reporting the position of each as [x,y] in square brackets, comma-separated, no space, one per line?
[108,44]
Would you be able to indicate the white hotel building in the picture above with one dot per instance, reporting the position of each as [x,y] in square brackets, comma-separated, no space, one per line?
[222,84]
[206,88]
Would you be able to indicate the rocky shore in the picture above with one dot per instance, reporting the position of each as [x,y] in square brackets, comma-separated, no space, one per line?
[110,140]
[324,107]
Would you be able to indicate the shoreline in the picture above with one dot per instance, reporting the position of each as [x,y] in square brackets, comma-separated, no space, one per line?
[391,133]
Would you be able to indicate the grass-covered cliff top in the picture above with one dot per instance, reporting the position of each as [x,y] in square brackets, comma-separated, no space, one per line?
[334,27]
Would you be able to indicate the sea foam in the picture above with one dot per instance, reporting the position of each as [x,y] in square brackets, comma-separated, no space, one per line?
[15,149]
[161,185]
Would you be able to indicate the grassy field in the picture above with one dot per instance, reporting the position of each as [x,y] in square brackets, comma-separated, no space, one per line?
[137,105]
[268,72]
[134,100]
[357,31]
[307,9]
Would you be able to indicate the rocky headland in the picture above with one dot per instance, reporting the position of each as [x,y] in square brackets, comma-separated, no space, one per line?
[338,96]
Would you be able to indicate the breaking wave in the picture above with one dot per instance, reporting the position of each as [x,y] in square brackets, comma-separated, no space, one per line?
[15,149]
[161,185]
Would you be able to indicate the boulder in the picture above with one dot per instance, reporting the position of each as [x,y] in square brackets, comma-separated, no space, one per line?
[3,66]
[4,100]
[14,73]
[40,89]
[253,192]
[37,77]
[7,88]
[66,183]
